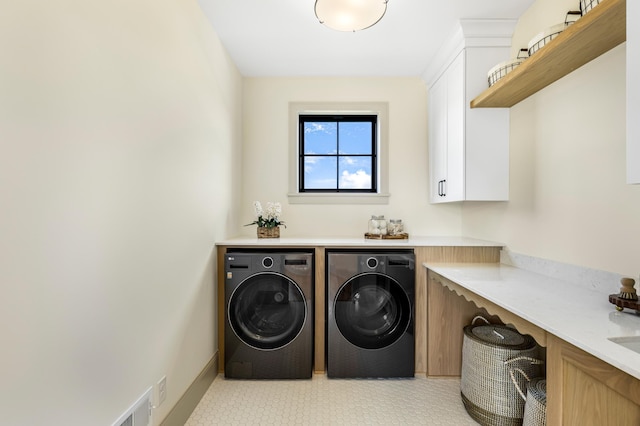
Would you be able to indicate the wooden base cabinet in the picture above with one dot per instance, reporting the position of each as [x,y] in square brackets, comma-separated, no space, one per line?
[583,390]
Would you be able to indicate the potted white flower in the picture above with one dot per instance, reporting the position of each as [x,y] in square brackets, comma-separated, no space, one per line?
[268,220]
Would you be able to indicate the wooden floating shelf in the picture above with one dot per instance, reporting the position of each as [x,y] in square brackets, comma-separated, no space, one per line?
[598,31]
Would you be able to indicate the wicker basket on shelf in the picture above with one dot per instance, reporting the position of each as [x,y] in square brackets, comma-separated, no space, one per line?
[587,5]
[503,68]
[489,353]
[541,39]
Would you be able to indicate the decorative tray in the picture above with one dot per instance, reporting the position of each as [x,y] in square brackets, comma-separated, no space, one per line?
[402,236]
[624,303]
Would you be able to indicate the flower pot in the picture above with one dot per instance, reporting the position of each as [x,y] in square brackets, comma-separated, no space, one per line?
[264,232]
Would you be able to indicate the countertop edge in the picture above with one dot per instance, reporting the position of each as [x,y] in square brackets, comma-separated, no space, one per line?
[418,241]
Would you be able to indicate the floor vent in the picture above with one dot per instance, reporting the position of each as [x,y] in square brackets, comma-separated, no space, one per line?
[139,414]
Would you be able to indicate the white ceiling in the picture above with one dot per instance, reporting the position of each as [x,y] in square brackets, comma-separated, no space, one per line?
[284,38]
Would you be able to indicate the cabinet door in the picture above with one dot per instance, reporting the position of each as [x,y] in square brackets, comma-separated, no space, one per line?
[446,134]
[455,185]
[633,92]
[583,390]
[437,140]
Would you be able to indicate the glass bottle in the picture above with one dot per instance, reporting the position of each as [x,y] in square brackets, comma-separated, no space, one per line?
[377,225]
[395,227]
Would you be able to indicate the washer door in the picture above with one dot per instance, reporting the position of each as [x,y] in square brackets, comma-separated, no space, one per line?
[372,310]
[267,311]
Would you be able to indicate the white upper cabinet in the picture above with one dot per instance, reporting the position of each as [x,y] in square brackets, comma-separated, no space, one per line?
[468,148]
[633,92]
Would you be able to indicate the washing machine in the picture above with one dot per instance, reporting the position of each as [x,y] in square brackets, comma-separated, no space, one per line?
[370,314]
[269,315]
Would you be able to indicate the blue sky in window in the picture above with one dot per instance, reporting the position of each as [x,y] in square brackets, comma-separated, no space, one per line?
[354,172]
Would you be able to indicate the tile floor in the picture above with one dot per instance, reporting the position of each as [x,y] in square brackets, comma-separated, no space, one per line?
[323,401]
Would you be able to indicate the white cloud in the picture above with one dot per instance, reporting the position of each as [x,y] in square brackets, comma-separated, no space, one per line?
[314,127]
[310,163]
[357,180]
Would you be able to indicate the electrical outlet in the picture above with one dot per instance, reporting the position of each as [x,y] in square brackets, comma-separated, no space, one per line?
[162,390]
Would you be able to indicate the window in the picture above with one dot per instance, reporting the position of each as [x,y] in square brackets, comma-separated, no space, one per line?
[337,153]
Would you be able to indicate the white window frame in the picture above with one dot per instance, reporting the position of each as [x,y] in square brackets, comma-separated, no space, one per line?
[381,110]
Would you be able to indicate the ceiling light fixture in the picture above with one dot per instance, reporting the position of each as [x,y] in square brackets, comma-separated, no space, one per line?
[350,15]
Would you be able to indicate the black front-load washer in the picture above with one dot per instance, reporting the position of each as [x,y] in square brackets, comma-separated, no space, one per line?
[370,314]
[269,315]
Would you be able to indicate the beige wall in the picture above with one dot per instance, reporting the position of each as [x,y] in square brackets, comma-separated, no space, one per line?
[568,198]
[266,162]
[118,122]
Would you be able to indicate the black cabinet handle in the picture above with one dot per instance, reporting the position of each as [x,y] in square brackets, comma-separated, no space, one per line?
[441,188]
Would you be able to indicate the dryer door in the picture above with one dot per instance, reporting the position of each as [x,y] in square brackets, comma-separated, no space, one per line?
[267,310]
[372,310]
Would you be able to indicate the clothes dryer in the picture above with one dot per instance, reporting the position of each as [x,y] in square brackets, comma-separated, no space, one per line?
[269,315]
[370,314]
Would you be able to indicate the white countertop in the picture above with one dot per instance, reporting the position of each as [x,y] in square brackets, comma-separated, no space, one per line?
[577,314]
[359,242]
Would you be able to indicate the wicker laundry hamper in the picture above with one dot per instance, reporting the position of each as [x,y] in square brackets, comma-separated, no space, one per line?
[489,354]
[535,408]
